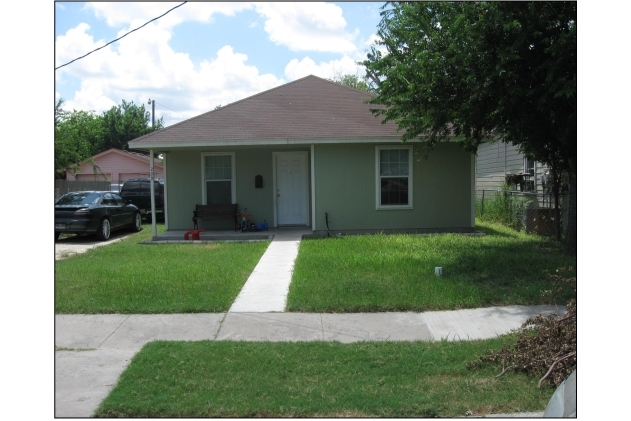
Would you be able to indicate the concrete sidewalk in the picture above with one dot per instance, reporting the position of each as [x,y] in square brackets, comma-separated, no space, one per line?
[95,349]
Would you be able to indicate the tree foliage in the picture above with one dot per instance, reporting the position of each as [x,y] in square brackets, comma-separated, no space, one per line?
[482,70]
[76,133]
[123,123]
[353,81]
[82,134]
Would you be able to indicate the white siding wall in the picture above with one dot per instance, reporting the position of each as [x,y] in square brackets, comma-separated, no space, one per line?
[495,160]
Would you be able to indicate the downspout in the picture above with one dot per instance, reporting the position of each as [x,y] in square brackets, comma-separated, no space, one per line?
[153,195]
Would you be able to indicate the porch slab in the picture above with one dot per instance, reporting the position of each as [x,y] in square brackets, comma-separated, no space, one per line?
[177,236]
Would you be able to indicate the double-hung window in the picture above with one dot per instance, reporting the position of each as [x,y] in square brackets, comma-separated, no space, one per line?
[394,177]
[529,168]
[219,187]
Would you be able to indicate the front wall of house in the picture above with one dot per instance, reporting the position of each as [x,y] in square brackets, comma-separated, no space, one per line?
[184,185]
[346,189]
[345,179]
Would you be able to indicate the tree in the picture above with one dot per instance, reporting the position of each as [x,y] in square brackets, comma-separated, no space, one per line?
[76,134]
[353,81]
[123,123]
[499,70]
[81,134]
[60,114]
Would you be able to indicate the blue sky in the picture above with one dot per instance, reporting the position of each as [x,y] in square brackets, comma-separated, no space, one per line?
[201,55]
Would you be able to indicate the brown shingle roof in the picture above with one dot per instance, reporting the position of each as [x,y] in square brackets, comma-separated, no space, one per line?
[308,108]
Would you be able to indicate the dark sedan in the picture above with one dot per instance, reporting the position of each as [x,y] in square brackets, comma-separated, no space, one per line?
[94,212]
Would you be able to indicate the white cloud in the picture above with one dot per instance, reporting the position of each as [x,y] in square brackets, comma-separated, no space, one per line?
[372,41]
[123,13]
[297,26]
[296,69]
[307,26]
[145,66]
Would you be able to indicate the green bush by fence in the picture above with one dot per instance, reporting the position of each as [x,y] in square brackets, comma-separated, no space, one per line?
[515,208]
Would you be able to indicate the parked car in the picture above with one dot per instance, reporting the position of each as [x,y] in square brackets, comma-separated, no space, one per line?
[137,191]
[94,212]
[116,187]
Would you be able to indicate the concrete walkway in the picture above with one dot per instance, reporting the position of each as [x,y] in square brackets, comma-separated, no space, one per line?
[267,287]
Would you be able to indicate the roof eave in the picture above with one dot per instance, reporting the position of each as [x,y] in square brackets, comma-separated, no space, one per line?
[260,142]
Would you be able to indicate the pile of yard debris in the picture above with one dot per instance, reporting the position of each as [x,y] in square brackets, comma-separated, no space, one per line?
[546,345]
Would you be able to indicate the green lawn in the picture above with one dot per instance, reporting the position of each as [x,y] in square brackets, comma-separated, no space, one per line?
[128,277]
[396,272]
[318,379]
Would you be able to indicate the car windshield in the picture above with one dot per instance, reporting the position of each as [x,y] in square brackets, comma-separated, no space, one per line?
[83,198]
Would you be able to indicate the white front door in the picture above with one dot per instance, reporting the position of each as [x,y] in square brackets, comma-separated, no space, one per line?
[291,188]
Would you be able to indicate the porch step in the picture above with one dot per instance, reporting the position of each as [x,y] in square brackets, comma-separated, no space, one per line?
[267,287]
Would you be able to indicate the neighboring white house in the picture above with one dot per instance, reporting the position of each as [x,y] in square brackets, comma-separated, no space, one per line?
[498,159]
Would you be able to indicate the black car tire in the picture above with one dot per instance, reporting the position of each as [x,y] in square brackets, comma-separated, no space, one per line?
[137,225]
[104,231]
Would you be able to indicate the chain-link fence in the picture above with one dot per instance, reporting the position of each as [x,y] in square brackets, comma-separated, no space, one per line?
[533,212]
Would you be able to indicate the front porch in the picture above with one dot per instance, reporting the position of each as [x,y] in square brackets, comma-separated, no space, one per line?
[177,236]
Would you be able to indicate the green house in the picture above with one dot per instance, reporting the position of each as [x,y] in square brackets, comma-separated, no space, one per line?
[306,149]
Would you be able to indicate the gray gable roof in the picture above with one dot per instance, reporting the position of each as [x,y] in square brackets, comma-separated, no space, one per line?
[306,109]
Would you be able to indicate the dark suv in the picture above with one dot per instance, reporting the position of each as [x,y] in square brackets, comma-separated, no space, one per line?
[137,191]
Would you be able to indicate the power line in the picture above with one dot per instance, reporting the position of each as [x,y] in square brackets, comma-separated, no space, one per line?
[78,58]
[177,112]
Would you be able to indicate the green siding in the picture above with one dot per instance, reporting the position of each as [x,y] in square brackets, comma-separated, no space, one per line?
[183,180]
[345,189]
[184,184]
[345,176]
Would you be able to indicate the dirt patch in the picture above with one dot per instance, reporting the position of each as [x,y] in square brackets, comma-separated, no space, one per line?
[76,244]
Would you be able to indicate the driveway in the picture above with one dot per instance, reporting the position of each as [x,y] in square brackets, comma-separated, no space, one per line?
[76,244]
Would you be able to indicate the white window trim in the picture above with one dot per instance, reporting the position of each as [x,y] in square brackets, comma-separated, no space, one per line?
[234,174]
[533,177]
[378,205]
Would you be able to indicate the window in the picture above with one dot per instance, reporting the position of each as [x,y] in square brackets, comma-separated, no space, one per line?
[219,188]
[108,200]
[529,168]
[394,177]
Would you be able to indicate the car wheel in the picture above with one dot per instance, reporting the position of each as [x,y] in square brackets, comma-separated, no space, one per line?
[137,222]
[103,233]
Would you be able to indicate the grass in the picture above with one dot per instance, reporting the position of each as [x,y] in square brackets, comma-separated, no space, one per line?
[317,379]
[128,277]
[396,272]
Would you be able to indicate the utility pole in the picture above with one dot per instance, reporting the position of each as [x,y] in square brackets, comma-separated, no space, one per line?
[153,113]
